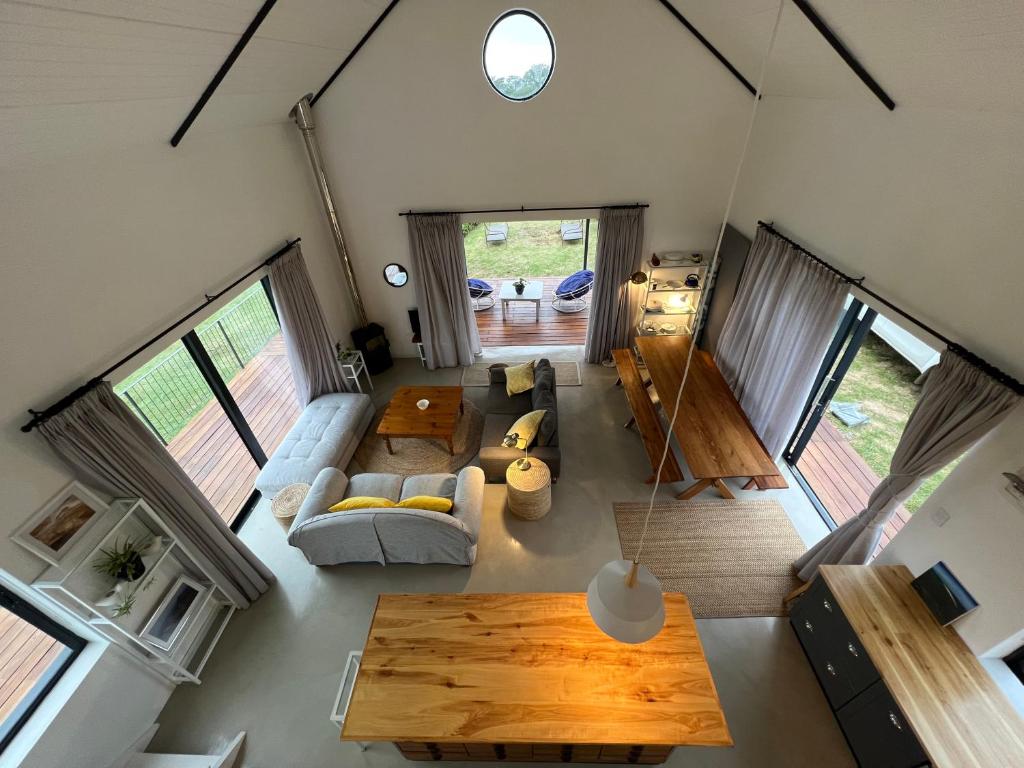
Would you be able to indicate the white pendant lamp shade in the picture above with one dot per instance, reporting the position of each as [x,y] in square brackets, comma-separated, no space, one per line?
[629,614]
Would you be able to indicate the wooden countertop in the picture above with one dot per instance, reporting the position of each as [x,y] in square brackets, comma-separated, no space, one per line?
[712,430]
[956,710]
[529,668]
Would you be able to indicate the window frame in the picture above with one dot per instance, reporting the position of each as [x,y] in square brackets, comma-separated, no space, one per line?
[487,38]
[73,646]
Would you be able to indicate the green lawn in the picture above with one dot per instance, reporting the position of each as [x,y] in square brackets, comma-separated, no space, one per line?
[882,384]
[532,249]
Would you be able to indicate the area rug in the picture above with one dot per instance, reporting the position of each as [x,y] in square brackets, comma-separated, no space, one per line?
[730,558]
[420,456]
[567,374]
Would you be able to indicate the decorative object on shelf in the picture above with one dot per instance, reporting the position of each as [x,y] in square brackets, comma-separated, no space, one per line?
[668,327]
[396,275]
[697,258]
[680,302]
[122,561]
[692,280]
[655,261]
[120,600]
[672,257]
[423,404]
[639,277]
[519,285]
[53,531]
[511,441]
[173,612]
[674,284]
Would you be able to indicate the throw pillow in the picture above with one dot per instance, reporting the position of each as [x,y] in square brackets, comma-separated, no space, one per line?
[544,400]
[361,502]
[429,503]
[527,426]
[519,378]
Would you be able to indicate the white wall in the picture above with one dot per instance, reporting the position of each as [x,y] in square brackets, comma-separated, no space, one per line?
[636,111]
[981,543]
[926,203]
[98,254]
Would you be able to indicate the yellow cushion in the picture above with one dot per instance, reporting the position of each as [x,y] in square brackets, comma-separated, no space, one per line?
[527,426]
[429,503]
[362,502]
[519,378]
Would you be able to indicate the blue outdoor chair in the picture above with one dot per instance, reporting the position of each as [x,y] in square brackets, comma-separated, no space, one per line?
[570,295]
[480,293]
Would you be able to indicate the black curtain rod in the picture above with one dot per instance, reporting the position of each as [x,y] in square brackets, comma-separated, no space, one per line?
[38,417]
[999,375]
[524,209]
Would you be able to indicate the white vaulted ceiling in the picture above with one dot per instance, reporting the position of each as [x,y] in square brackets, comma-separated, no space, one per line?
[94,75]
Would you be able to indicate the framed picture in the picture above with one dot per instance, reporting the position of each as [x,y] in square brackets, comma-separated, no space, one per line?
[53,531]
[173,613]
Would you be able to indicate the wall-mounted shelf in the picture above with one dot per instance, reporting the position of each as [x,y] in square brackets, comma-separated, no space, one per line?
[664,306]
[79,588]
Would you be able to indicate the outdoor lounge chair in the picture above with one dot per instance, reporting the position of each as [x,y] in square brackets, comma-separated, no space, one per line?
[496,233]
[571,230]
[481,294]
[570,295]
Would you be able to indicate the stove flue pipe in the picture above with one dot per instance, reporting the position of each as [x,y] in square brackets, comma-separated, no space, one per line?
[302,114]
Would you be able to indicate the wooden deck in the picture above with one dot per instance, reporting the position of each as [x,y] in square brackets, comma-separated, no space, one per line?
[841,478]
[521,327]
[210,450]
[25,654]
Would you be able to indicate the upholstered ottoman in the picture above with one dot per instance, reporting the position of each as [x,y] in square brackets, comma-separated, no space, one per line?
[325,435]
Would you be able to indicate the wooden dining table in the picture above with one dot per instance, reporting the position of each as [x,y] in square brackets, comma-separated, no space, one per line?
[713,433]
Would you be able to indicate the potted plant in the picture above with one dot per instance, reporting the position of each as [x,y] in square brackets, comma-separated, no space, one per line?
[520,286]
[122,561]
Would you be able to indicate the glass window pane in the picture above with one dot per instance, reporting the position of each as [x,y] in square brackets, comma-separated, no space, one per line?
[244,340]
[26,653]
[172,398]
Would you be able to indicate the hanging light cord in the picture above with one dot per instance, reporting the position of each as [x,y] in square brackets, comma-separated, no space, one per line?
[711,271]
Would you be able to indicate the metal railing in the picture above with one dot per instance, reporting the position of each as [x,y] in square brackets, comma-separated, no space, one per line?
[169,395]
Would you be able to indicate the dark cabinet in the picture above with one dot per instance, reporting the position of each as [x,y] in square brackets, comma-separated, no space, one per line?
[877,731]
[878,735]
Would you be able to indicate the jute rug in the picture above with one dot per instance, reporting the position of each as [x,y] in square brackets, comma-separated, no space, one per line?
[567,374]
[415,456]
[730,558]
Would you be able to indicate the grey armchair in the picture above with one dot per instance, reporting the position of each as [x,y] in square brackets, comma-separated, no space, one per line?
[390,535]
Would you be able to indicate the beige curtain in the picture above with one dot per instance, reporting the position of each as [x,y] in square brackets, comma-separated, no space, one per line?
[959,404]
[781,321]
[613,307]
[109,448]
[447,325]
[307,339]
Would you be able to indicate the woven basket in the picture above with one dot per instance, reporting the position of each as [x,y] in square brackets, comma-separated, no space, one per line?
[287,502]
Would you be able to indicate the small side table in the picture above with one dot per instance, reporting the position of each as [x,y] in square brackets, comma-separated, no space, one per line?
[529,491]
[352,365]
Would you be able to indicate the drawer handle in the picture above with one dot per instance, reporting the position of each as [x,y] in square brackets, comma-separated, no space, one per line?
[831,669]
[895,721]
[853,650]
[810,627]
[827,605]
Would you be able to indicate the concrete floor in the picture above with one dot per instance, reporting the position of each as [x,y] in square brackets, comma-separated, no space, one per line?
[276,670]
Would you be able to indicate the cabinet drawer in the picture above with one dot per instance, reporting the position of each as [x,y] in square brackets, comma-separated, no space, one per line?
[832,645]
[878,733]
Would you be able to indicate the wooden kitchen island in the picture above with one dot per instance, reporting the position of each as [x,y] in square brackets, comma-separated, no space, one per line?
[529,678]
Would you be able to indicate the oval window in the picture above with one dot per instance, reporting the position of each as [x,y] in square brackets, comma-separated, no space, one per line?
[396,275]
[519,55]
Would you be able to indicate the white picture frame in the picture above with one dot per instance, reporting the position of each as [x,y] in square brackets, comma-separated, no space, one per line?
[172,614]
[61,523]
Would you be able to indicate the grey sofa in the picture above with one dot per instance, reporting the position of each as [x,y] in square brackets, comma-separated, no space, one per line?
[502,411]
[390,535]
[325,435]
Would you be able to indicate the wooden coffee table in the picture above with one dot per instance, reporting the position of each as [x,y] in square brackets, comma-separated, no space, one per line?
[403,419]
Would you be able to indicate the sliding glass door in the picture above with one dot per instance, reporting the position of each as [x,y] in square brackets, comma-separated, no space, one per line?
[221,399]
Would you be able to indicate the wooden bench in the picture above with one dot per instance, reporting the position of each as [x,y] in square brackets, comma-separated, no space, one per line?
[645,416]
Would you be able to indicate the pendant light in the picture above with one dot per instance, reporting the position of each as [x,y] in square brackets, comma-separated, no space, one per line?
[624,598]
